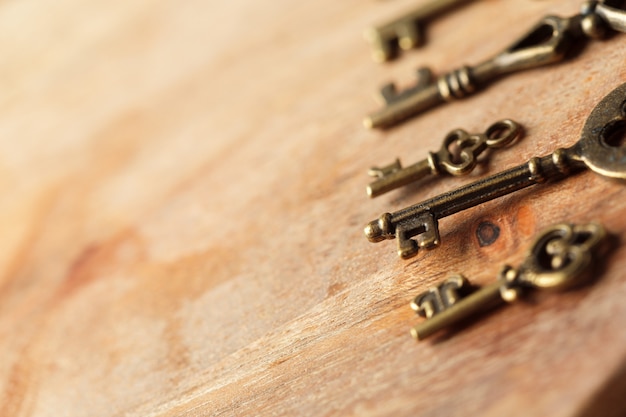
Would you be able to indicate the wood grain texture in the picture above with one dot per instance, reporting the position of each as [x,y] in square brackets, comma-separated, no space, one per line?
[184,202]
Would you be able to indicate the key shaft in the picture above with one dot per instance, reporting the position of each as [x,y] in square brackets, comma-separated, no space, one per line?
[481,300]
[399,110]
[535,171]
[401,177]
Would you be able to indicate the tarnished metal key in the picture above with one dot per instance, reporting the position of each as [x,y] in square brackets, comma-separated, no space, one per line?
[407,31]
[457,156]
[549,41]
[560,258]
[600,148]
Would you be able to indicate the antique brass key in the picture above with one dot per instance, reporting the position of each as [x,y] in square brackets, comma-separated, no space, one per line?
[600,149]
[548,42]
[457,156]
[405,32]
[560,258]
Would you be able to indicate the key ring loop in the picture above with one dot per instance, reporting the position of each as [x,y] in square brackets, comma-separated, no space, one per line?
[560,258]
[460,150]
[458,154]
[502,133]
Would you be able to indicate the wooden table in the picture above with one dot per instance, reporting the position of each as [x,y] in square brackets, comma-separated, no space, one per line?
[184,204]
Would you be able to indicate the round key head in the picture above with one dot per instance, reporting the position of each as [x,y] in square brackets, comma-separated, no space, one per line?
[602,146]
[562,256]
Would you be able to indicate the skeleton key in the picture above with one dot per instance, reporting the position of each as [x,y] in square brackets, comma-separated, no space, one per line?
[548,42]
[405,32]
[560,258]
[600,148]
[468,149]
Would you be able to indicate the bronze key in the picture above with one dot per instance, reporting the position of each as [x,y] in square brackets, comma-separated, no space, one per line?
[406,31]
[559,259]
[599,149]
[457,156]
[548,42]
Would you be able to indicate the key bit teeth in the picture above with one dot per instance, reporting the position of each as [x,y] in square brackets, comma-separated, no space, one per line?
[428,241]
[410,40]
[407,249]
[424,76]
[414,334]
[409,34]
[429,238]
[381,172]
[381,50]
[388,93]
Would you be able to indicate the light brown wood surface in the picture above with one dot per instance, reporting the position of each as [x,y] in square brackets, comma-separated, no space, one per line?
[183,205]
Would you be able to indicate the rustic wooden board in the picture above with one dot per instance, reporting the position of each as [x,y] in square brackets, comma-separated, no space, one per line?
[184,202]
